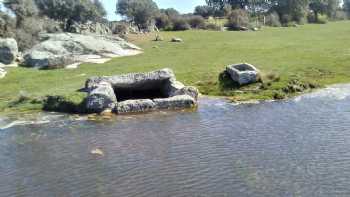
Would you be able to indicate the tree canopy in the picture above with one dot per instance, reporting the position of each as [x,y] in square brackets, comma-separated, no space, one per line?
[141,12]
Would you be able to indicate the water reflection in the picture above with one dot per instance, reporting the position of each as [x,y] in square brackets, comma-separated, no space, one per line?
[299,147]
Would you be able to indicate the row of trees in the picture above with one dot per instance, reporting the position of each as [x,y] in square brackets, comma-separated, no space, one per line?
[288,10]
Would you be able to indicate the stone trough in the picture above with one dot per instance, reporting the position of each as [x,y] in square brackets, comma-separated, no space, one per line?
[244,73]
[139,92]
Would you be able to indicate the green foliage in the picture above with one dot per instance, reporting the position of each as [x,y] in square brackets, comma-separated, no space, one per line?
[237,19]
[76,10]
[273,20]
[22,9]
[204,11]
[72,103]
[196,22]
[180,24]
[141,12]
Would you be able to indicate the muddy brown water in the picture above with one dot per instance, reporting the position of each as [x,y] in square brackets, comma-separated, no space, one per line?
[299,147]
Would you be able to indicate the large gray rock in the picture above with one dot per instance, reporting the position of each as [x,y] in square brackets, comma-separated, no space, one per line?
[8,50]
[47,60]
[2,73]
[176,102]
[135,106]
[243,74]
[135,81]
[56,47]
[173,94]
[101,98]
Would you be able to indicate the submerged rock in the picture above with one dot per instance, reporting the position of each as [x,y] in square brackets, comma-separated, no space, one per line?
[61,49]
[243,74]
[139,92]
[8,50]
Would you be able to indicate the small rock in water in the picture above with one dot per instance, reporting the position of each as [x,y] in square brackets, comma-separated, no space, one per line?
[97,152]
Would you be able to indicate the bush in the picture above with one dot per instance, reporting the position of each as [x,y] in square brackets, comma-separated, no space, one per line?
[163,21]
[120,29]
[212,26]
[27,35]
[273,20]
[237,19]
[196,22]
[321,19]
[180,24]
[340,15]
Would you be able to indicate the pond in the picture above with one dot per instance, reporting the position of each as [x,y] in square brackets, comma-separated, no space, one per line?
[298,147]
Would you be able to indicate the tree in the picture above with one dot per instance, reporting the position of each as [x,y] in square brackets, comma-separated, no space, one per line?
[77,10]
[288,10]
[141,12]
[204,11]
[332,7]
[346,6]
[22,9]
[318,7]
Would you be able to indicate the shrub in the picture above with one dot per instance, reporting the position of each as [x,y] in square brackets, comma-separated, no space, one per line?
[27,35]
[340,15]
[237,19]
[322,19]
[196,22]
[273,20]
[180,24]
[120,29]
[163,21]
[212,26]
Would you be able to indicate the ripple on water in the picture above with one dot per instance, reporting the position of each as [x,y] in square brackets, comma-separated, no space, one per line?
[283,148]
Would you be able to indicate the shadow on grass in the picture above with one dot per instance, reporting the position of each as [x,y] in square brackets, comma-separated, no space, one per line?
[226,83]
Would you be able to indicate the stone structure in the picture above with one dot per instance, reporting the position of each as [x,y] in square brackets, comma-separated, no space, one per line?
[8,50]
[62,49]
[139,92]
[243,74]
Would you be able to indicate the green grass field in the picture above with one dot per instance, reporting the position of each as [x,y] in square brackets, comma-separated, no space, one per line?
[319,54]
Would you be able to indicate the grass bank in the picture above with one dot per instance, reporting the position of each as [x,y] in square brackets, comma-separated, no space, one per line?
[291,59]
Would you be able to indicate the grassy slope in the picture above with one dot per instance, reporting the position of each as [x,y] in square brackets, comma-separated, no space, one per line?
[318,53]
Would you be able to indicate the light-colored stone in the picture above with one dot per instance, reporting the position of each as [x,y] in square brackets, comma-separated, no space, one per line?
[2,73]
[54,48]
[188,90]
[101,98]
[135,106]
[243,74]
[176,102]
[8,50]
[176,40]
[139,81]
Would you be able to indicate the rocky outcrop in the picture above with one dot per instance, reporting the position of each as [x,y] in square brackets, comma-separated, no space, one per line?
[2,73]
[61,49]
[90,28]
[8,50]
[243,74]
[143,92]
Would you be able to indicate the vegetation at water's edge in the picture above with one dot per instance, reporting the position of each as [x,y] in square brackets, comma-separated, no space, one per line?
[292,60]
